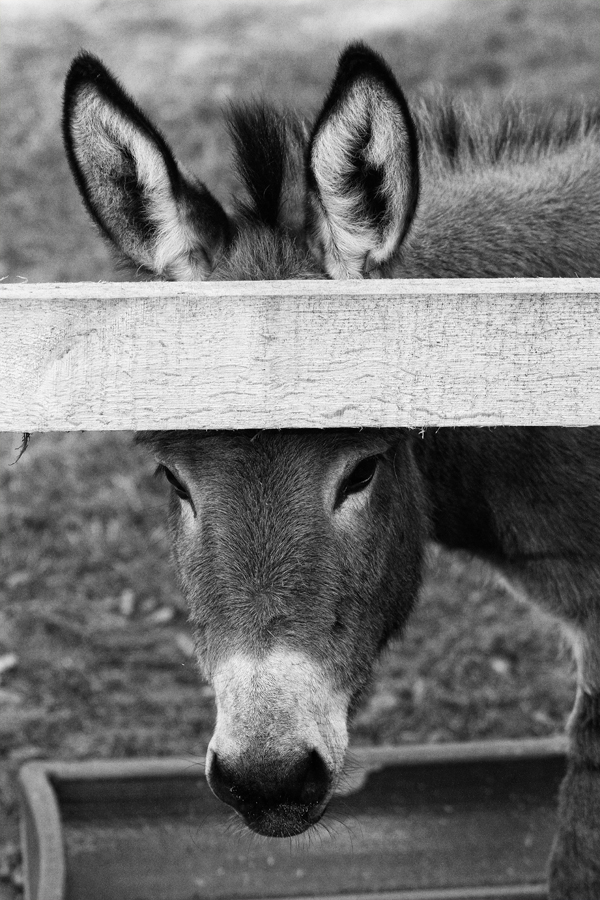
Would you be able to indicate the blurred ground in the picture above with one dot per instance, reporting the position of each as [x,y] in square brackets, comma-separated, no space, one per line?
[95,653]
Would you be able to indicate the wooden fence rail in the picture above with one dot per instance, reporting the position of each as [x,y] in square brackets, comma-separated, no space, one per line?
[316,354]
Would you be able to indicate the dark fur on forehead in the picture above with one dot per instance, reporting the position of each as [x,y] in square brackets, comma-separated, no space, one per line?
[263,139]
[459,134]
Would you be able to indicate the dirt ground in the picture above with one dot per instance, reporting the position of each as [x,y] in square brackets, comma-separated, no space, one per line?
[95,650]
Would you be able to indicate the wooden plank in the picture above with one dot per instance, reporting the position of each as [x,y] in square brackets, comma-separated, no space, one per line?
[317,354]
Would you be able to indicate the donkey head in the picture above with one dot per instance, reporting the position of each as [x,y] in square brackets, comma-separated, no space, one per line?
[299,551]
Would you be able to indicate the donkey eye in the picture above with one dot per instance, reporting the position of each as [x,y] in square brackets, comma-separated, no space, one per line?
[175,483]
[361,476]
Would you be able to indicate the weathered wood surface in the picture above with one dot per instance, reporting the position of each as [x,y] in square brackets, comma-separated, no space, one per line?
[317,354]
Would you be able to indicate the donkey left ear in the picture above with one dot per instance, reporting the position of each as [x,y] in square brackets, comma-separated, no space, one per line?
[363,170]
[145,204]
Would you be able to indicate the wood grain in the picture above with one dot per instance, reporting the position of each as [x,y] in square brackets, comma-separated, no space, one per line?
[316,354]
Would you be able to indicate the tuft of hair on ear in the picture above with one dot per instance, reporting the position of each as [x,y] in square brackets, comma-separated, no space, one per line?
[363,173]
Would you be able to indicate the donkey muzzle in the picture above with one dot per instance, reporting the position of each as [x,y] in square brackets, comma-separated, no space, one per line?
[279,742]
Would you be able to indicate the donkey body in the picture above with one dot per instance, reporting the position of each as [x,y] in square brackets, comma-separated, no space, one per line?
[301,552]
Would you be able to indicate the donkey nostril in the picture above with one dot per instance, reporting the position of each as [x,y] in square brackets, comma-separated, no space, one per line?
[222,783]
[316,780]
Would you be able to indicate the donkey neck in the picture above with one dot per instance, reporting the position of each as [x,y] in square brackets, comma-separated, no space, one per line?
[499,219]
[513,494]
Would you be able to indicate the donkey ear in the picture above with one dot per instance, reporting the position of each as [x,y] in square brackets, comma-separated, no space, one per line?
[363,167]
[130,182]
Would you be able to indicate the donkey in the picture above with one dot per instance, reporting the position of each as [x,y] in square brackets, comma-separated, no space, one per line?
[301,552]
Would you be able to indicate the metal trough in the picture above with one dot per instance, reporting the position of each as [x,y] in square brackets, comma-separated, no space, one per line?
[445,822]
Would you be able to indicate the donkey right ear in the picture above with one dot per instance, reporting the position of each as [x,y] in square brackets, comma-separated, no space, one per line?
[363,168]
[130,182]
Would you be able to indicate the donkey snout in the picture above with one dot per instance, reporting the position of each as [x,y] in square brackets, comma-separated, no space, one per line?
[277,798]
[279,741]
